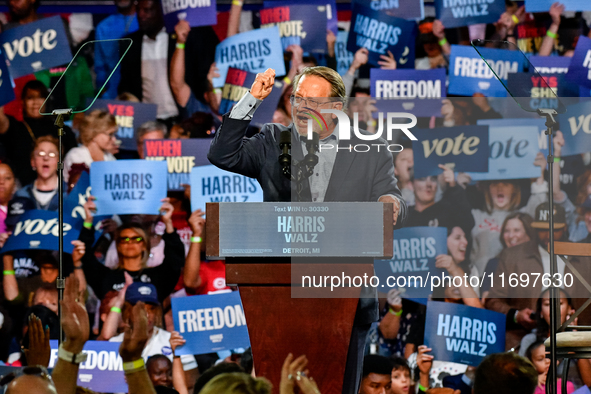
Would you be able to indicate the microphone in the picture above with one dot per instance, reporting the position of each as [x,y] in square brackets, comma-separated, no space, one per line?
[311,159]
[285,156]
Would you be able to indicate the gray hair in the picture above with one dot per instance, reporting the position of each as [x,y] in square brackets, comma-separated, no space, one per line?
[150,126]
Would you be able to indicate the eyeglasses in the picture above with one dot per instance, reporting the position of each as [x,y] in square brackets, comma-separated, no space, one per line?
[51,155]
[310,103]
[132,240]
[31,370]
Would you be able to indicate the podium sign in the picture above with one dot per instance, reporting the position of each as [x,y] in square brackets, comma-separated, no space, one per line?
[300,229]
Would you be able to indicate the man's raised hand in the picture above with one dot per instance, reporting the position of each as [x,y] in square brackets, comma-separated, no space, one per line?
[263,84]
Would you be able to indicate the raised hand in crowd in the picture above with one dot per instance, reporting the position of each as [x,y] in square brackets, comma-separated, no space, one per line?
[390,323]
[447,177]
[182,30]
[556,10]
[39,351]
[113,320]
[178,375]
[424,363]
[294,373]
[166,211]
[263,84]
[439,32]
[191,277]
[387,62]
[77,254]
[331,40]
[4,237]
[360,58]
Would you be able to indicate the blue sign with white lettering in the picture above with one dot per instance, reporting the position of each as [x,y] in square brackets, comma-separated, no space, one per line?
[380,33]
[6,89]
[196,12]
[254,51]
[512,151]
[128,186]
[211,184]
[575,125]
[407,9]
[39,230]
[75,200]
[550,64]
[569,5]
[102,372]
[303,25]
[460,148]
[456,13]
[344,57]
[238,83]
[579,70]
[210,323]
[413,261]
[469,74]
[463,334]
[180,157]
[36,46]
[129,117]
[415,91]
[331,10]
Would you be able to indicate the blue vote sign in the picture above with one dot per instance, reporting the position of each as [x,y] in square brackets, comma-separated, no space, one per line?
[210,323]
[196,12]
[36,46]
[380,33]
[413,261]
[512,151]
[102,372]
[39,230]
[180,157]
[344,57]
[254,51]
[575,125]
[6,89]
[331,10]
[550,64]
[211,184]
[129,117]
[415,91]
[407,9]
[125,187]
[75,200]
[456,13]
[569,5]
[238,83]
[460,148]
[579,70]
[469,74]
[463,334]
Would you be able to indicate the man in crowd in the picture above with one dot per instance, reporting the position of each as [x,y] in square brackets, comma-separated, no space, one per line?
[375,378]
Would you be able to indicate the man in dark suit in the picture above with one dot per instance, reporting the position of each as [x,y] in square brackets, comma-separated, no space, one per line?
[145,68]
[341,174]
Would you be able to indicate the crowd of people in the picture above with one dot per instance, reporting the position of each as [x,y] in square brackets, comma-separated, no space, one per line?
[119,286]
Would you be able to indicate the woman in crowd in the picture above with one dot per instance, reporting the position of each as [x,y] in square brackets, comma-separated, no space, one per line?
[98,135]
[7,188]
[536,353]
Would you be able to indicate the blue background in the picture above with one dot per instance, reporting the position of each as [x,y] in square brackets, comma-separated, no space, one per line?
[581,142]
[6,90]
[544,5]
[446,16]
[199,16]
[576,72]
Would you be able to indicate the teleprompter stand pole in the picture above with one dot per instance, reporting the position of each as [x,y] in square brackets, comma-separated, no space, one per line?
[59,122]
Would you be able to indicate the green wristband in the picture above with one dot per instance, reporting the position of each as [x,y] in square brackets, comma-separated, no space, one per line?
[422,388]
[196,240]
[115,309]
[8,272]
[557,160]
[551,35]
[87,225]
[395,313]
[443,41]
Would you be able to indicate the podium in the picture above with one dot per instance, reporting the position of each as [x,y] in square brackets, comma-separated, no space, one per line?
[271,248]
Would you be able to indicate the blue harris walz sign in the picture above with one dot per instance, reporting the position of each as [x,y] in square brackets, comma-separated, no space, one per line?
[211,184]
[380,33]
[180,157]
[413,261]
[469,74]
[196,12]
[579,70]
[36,46]
[39,230]
[210,323]
[408,90]
[575,125]
[6,90]
[343,56]
[456,13]
[128,186]
[460,148]
[238,83]
[254,51]
[463,334]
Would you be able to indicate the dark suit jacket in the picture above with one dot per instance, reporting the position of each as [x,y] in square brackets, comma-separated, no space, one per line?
[199,55]
[356,177]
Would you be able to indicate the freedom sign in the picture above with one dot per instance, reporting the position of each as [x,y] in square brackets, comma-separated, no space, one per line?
[460,148]
[210,323]
[579,70]
[331,10]
[254,51]
[343,56]
[569,5]
[413,261]
[303,25]
[238,83]
[408,90]
[180,157]
[125,187]
[39,230]
[129,117]
[102,372]
[550,64]
[456,13]
[462,334]
[469,74]
[407,9]
[196,12]
[575,125]
[211,184]
[36,46]
[6,90]
[512,151]
[380,33]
